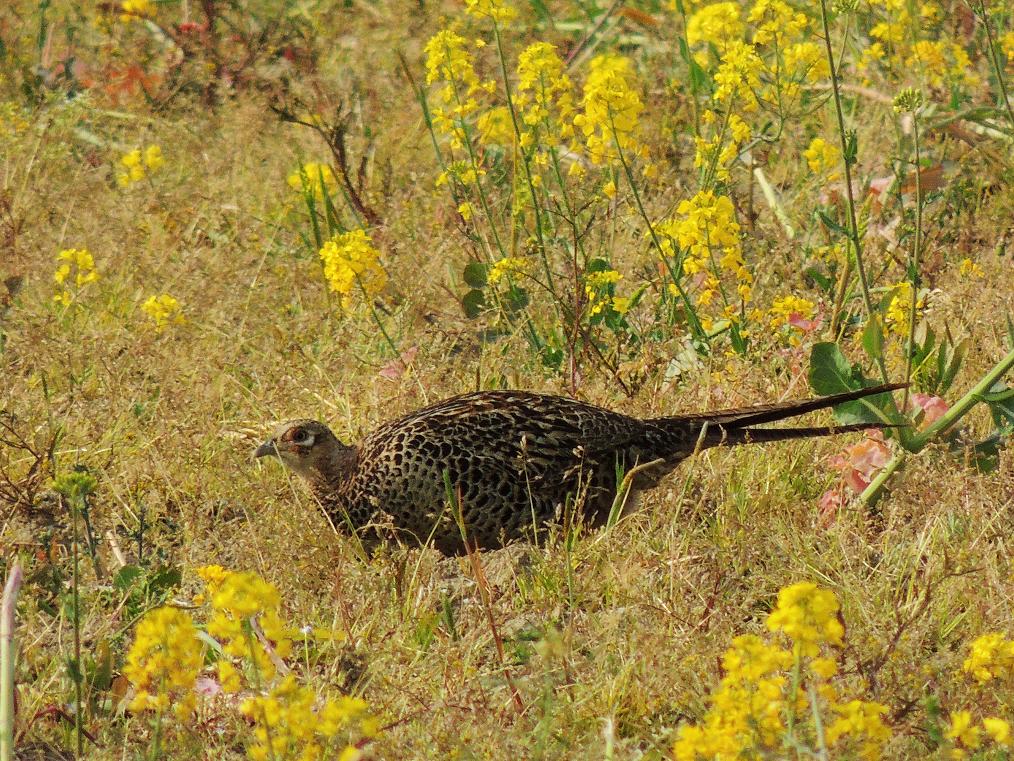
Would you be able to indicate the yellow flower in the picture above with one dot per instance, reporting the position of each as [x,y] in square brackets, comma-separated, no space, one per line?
[497,10]
[806,61]
[970,269]
[621,304]
[465,210]
[998,730]
[289,725]
[990,656]
[598,287]
[898,309]
[153,158]
[609,189]
[313,177]
[861,721]
[352,266]
[164,310]
[738,75]
[783,308]
[962,730]
[776,22]
[808,615]
[823,158]
[495,126]
[545,95]
[510,266]
[76,265]
[135,9]
[448,61]
[164,661]
[611,110]
[716,24]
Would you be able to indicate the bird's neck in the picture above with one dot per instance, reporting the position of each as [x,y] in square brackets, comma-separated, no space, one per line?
[332,470]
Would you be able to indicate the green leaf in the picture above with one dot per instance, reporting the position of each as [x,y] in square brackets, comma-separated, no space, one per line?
[831,373]
[475,275]
[125,577]
[830,224]
[873,338]
[474,303]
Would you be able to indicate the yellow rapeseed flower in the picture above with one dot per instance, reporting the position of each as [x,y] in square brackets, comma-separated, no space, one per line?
[716,24]
[449,61]
[164,661]
[597,286]
[138,164]
[313,177]
[823,158]
[970,269]
[962,730]
[164,310]
[74,266]
[131,10]
[352,266]
[545,96]
[808,615]
[509,266]
[990,656]
[898,309]
[611,110]
[861,721]
[289,724]
[777,22]
[998,730]
[497,10]
[738,75]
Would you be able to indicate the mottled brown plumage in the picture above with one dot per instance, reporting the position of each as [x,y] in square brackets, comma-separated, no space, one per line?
[516,462]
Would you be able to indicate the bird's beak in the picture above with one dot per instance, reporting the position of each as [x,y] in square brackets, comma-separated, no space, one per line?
[266,449]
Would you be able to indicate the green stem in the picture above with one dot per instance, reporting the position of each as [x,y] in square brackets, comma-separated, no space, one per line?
[527,166]
[850,196]
[695,325]
[918,442]
[913,264]
[7,652]
[75,596]
[994,59]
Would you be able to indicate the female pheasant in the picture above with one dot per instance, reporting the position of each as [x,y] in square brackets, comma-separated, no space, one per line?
[513,462]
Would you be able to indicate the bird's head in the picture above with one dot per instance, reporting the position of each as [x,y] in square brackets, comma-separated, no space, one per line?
[307,447]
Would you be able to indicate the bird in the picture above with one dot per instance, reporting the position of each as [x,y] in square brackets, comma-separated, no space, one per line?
[483,469]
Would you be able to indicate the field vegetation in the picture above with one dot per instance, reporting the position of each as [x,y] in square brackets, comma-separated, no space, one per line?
[217,215]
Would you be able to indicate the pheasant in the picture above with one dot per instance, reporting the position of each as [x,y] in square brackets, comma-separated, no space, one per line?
[499,466]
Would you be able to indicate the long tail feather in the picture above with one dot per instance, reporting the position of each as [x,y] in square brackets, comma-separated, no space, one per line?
[769,413]
[761,435]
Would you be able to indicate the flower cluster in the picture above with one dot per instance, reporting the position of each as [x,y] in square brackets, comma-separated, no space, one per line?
[808,615]
[706,226]
[750,710]
[449,61]
[164,661]
[508,267]
[714,26]
[352,265]
[137,165]
[131,10]
[74,266]
[611,110]
[991,656]
[897,314]
[545,98]
[965,733]
[289,723]
[164,310]
[245,607]
[497,10]
[599,289]
[823,159]
[795,312]
[316,179]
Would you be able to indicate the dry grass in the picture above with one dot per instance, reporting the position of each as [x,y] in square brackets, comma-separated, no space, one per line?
[611,645]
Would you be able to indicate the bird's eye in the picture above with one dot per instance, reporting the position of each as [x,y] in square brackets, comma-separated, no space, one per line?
[301,436]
